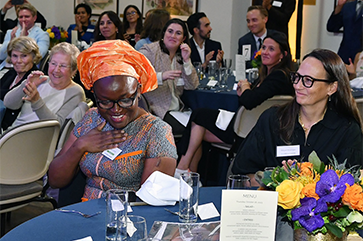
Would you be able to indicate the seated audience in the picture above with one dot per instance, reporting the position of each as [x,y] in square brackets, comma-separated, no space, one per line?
[41,97]
[27,15]
[323,117]
[355,69]
[153,27]
[203,48]
[274,80]
[108,27]
[132,22]
[7,24]
[170,57]
[24,55]
[82,15]
[117,74]
[256,18]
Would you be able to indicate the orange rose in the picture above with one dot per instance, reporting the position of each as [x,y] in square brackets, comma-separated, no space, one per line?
[289,194]
[353,197]
[306,169]
[309,190]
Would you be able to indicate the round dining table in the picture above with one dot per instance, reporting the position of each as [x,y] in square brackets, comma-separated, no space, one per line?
[54,225]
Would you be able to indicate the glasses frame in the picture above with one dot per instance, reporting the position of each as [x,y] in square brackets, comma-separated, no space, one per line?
[98,101]
[61,66]
[131,13]
[302,77]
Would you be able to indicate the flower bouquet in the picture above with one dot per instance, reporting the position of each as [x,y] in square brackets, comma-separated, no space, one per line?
[256,62]
[317,197]
[56,35]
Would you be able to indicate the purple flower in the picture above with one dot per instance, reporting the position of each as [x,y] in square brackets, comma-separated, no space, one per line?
[330,187]
[57,34]
[309,213]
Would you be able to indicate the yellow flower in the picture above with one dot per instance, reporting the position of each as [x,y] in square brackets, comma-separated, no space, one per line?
[51,35]
[289,194]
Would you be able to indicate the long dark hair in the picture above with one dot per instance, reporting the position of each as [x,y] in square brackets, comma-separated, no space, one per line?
[139,20]
[342,100]
[178,56]
[285,65]
[153,25]
[115,19]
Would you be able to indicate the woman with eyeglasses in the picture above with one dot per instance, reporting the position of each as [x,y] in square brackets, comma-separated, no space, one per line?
[43,97]
[132,22]
[118,144]
[274,80]
[323,117]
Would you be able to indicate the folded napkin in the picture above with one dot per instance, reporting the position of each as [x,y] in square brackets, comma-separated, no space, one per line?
[223,119]
[357,83]
[89,238]
[159,190]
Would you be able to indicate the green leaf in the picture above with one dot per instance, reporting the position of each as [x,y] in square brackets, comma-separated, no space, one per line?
[317,164]
[334,230]
[342,212]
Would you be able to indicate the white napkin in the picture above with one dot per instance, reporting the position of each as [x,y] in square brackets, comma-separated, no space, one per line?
[357,83]
[159,190]
[89,238]
[223,119]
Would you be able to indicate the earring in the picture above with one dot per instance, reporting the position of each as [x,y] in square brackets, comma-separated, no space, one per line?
[99,33]
[329,99]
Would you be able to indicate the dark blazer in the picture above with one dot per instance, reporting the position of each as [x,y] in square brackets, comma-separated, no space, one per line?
[352,30]
[5,82]
[248,39]
[210,45]
[11,23]
[279,17]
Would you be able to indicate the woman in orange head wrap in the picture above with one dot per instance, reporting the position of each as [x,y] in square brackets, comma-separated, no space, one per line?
[141,143]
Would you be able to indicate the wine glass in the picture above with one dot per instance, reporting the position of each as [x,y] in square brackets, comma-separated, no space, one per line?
[199,69]
[227,63]
[238,182]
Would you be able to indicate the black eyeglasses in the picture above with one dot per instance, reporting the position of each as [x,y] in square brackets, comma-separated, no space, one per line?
[130,13]
[307,80]
[123,103]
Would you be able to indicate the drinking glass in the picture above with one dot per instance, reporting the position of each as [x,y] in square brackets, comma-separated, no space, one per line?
[198,67]
[136,228]
[116,208]
[222,78]
[189,196]
[227,63]
[212,68]
[253,75]
[238,182]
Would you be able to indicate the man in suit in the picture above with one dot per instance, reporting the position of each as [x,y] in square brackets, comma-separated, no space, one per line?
[279,13]
[256,18]
[7,24]
[27,15]
[349,16]
[203,48]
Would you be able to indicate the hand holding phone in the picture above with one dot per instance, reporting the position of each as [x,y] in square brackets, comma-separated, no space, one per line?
[17,2]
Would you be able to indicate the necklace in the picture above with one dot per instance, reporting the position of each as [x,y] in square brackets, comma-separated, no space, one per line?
[306,129]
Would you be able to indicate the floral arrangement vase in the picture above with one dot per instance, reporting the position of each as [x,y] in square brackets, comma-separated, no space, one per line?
[303,235]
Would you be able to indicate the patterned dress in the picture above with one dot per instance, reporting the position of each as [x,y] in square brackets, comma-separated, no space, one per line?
[148,137]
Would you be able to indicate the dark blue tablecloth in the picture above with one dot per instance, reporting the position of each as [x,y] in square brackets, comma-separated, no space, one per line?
[213,99]
[68,226]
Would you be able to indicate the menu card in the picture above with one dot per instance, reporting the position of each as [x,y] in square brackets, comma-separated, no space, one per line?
[248,215]
[240,67]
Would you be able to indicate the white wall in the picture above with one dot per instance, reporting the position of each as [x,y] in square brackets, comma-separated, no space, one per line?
[227,19]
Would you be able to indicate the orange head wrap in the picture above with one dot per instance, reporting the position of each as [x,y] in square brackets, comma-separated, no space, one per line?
[115,57]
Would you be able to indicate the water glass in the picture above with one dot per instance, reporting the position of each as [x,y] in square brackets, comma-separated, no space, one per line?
[222,78]
[227,63]
[238,182]
[212,68]
[189,196]
[253,75]
[199,69]
[136,228]
[116,208]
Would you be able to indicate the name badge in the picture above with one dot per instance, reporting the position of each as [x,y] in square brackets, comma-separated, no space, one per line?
[90,30]
[180,82]
[112,153]
[283,151]
[277,4]
[246,51]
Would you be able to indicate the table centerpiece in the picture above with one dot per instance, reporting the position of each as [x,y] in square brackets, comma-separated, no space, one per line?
[323,202]
[56,35]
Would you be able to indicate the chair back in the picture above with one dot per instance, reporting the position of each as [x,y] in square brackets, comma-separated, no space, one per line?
[43,65]
[27,150]
[359,102]
[246,119]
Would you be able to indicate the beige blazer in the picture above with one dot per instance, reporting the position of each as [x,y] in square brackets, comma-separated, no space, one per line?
[160,98]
